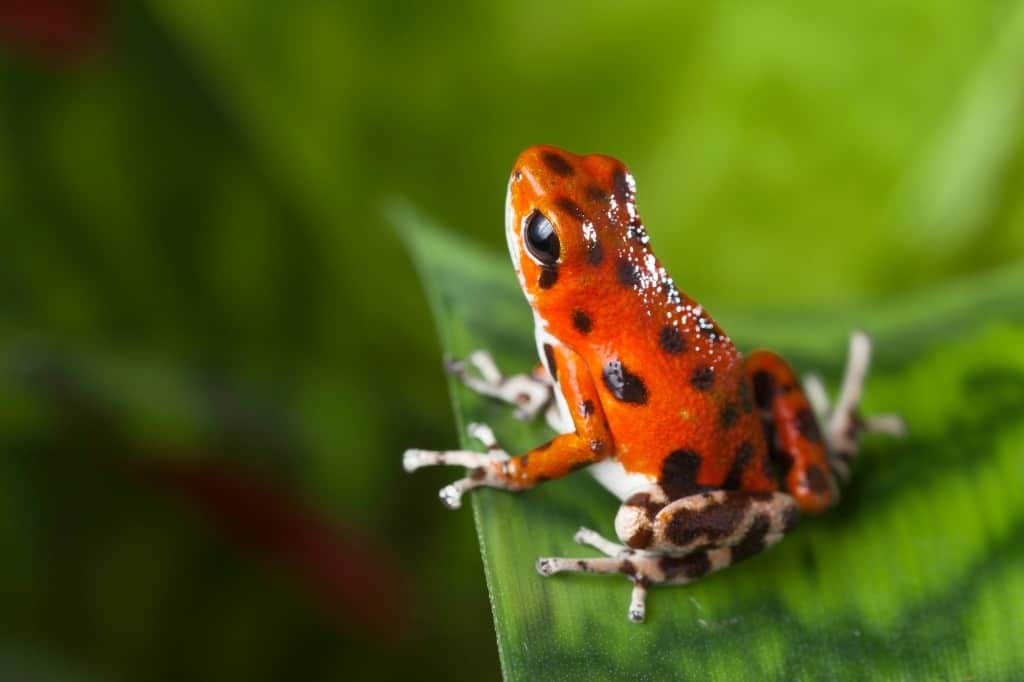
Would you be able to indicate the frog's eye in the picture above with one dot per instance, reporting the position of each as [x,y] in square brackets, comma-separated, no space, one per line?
[541,240]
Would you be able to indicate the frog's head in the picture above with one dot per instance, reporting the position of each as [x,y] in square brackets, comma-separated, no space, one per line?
[568,219]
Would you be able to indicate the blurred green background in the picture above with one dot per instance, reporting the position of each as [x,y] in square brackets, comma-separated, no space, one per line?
[214,348]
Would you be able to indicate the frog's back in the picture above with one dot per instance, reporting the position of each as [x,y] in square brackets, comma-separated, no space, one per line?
[672,384]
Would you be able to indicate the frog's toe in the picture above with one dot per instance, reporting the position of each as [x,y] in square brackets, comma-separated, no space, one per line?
[414,459]
[888,424]
[638,602]
[411,460]
[484,434]
[451,496]
[547,566]
[814,387]
[843,422]
[585,536]
[529,394]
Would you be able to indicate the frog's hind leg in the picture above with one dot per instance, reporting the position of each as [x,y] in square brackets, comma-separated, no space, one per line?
[797,448]
[843,424]
[678,542]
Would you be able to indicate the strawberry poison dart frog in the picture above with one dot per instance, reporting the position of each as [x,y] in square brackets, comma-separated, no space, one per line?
[713,455]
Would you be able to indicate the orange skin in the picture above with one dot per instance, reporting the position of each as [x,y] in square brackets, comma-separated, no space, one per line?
[681,384]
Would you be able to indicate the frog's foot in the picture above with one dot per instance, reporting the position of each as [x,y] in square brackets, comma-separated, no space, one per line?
[480,471]
[643,569]
[529,393]
[843,423]
[677,542]
[621,559]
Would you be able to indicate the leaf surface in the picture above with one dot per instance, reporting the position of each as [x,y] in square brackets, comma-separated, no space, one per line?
[918,573]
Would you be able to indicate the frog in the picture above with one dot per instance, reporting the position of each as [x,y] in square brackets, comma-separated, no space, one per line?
[713,455]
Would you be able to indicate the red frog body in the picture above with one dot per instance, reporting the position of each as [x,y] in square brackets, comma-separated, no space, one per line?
[713,454]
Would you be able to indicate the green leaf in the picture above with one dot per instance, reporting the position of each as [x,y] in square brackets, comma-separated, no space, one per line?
[918,573]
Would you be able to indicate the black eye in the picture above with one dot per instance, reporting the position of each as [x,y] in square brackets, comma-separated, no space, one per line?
[541,240]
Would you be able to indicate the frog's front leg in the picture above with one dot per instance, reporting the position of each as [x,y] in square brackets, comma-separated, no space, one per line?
[528,393]
[681,541]
[843,425]
[589,443]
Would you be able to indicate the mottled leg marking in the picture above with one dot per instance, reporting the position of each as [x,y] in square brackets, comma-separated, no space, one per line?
[642,569]
[843,424]
[529,393]
[479,464]
[686,538]
[559,457]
